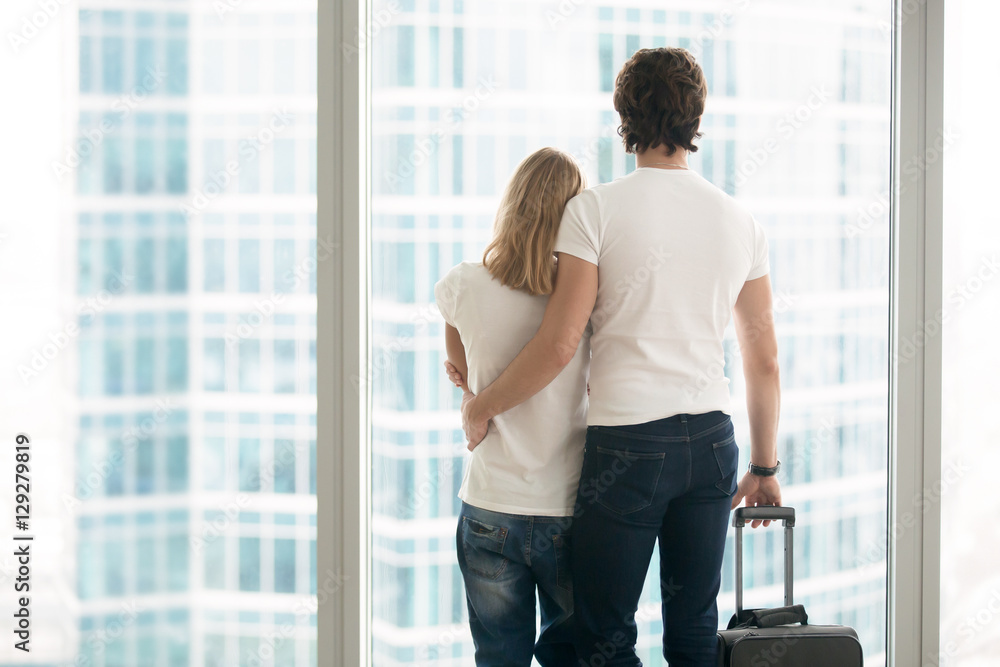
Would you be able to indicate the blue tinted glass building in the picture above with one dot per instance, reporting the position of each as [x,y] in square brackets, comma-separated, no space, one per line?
[797,127]
[195,280]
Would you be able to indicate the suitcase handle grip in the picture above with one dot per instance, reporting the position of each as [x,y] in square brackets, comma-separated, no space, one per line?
[769,618]
[784,514]
[765,513]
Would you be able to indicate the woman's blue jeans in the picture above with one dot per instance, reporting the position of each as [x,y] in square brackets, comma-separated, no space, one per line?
[503,559]
[672,480]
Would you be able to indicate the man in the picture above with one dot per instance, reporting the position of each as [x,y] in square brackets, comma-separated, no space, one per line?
[657,261]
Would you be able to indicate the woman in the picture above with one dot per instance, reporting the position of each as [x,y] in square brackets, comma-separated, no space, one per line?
[521,481]
[658,261]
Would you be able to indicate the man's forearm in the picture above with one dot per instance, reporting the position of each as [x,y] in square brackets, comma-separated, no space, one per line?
[532,370]
[549,351]
[763,406]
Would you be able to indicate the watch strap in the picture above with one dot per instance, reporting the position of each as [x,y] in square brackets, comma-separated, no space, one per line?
[762,471]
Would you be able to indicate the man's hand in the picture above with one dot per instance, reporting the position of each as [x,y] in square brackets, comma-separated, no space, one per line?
[454,375]
[475,428]
[759,492]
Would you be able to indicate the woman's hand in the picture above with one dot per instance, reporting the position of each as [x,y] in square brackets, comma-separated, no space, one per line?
[759,492]
[454,376]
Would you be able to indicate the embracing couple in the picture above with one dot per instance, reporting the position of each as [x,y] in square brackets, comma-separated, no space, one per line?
[629,285]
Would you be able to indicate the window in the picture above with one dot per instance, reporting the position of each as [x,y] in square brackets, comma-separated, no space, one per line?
[167,252]
[782,138]
[249,470]
[965,328]
[249,564]
[249,265]
[249,366]
[284,566]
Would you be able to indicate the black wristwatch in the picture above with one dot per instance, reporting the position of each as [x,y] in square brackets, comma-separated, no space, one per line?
[761,471]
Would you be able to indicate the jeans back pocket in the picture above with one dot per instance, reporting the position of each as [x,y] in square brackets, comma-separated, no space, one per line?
[727,456]
[483,545]
[621,481]
[564,579]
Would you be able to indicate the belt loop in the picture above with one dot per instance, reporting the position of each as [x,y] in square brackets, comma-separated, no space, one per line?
[684,419]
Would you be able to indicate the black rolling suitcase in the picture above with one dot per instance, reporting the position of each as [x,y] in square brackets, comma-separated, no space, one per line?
[781,637]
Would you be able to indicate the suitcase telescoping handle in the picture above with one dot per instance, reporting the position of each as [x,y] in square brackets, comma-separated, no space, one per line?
[743,514]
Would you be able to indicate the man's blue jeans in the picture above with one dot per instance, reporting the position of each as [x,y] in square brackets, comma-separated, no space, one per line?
[672,480]
[503,558]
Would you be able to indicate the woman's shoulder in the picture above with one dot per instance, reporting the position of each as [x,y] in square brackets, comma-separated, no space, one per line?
[467,276]
[462,270]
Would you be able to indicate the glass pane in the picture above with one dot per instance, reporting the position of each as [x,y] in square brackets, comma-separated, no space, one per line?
[970,581]
[153,254]
[797,128]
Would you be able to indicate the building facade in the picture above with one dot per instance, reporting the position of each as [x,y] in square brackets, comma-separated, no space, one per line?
[797,127]
[195,246]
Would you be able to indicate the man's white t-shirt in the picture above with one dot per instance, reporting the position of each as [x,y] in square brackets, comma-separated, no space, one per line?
[531,458]
[672,252]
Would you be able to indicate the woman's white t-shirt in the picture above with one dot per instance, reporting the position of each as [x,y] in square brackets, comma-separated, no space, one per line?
[531,458]
[672,253]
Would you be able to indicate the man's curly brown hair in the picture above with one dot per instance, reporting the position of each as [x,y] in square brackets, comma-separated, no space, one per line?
[660,96]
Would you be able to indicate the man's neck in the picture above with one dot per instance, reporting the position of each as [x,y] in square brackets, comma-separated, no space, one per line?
[658,158]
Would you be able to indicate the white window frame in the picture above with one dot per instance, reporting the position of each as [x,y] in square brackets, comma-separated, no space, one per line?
[916,298]
[342,346]
[343,443]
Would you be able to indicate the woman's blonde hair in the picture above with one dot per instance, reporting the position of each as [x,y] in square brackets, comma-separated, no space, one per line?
[524,232]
